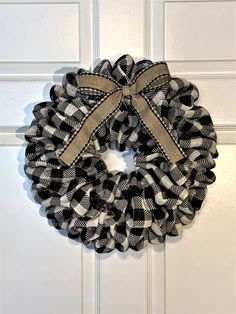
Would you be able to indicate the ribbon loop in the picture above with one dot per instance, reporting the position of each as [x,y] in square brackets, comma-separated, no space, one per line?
[156,75]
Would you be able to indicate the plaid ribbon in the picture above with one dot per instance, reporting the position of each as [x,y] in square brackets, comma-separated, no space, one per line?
[114,209]
[154,76]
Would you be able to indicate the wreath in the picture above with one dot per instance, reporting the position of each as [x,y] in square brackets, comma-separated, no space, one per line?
[132,106]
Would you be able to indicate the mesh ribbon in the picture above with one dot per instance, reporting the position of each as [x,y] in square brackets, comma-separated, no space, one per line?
[114,209]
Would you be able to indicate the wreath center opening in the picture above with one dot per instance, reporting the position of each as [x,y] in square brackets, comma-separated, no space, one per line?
[117,160]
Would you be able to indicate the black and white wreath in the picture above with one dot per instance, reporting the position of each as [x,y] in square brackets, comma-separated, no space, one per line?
[132,106]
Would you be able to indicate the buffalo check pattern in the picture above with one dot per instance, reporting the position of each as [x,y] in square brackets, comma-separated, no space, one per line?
[110,210]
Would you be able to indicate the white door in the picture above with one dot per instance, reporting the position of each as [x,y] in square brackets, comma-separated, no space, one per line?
[43,271]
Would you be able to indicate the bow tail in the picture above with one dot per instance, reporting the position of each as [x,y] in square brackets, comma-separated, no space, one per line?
[156,129]
[91,123]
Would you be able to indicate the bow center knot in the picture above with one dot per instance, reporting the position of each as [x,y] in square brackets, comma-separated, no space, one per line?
[126,91]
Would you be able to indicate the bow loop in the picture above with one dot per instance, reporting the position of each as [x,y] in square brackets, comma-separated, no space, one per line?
[155,75]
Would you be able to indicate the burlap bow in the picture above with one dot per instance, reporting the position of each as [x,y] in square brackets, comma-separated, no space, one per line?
[155,75]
